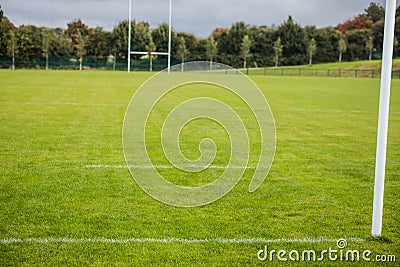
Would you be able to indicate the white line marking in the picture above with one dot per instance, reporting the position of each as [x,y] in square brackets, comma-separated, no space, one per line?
[174,240]
[62,103]
[105,166]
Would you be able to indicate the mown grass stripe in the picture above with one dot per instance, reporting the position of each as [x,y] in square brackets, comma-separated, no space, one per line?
[175,240]
[100,166]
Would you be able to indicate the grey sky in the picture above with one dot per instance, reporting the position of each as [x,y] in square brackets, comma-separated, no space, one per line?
[197,17]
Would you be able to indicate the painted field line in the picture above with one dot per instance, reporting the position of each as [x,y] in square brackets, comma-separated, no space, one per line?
[62,103]
[105,166]
[174,240]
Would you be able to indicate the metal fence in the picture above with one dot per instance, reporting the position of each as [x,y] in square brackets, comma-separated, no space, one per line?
[311,72]
[161,63]
[72,63]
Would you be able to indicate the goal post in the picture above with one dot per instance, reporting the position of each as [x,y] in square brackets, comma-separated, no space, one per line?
[383,119]
[146,53]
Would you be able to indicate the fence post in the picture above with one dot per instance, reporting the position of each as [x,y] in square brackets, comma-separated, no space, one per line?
[265,71]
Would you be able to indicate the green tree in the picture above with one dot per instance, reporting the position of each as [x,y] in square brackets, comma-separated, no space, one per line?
[5,27]
[369,44]
[327,40]
[377,33]
[312,48]
[151,47]
[192,45]
[245,51]
[61,47]
[181,50]
[139,38]
[29,42]
[230,44]
[262,44]
[160,38]
[375,12]
[293,38]
[211,49]
[48,37]
[356,49]
[12,47]
[342,46]
[278,48]
[80,48]
[98,43]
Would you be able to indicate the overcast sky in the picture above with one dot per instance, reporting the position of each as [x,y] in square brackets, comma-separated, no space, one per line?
[199,17]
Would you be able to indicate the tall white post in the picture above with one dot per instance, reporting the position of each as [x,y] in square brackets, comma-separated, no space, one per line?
[383,117]
[169,35]
[129,35]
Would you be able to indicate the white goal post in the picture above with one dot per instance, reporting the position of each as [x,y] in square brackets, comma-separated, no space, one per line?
[146,53]
[383,120]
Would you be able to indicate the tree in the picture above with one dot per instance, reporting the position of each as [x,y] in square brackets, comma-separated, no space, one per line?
[139,38]
[80,48]
[294,42]
[98,43]
[261,44]
[312,48]
[369,44]
[192,45]
[181,50]
[375,12]
[230,44]
[359,22]
[73,28]
[278,48]
[211,49]
[327,40]
[395,45]
[5,27]
[12,46]
[356,40]
[47,37]
[246,43]
[342,46]
[119,37]
[151,47]
[160,38]
[29,42]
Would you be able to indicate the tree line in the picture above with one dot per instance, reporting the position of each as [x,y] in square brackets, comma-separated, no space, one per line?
[241,45]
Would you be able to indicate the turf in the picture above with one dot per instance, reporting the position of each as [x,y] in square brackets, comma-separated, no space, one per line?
[53,124]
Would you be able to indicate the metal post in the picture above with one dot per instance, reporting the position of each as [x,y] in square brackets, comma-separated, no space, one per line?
[169,35]
[383,118]
[129,36]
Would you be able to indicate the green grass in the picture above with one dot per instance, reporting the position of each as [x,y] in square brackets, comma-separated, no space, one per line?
[53,124]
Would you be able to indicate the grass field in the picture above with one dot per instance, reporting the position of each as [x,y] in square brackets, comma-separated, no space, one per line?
[65,198]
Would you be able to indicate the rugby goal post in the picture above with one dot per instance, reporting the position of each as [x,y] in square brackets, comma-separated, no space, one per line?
[146,53]
[383,120]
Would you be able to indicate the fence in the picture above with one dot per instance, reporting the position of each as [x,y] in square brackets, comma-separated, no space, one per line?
[161,63]
[87,63]
[310,72]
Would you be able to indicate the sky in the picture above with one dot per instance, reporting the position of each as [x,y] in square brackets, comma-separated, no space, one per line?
[198,17]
